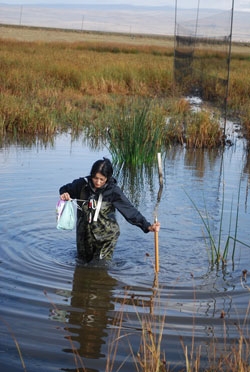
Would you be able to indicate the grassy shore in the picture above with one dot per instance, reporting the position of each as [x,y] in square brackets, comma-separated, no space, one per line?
[54,80]
[27,33]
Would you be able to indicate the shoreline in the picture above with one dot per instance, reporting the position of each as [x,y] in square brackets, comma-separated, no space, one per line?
[54,34]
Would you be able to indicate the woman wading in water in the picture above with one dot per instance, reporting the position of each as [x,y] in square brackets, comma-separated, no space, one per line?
[98,197]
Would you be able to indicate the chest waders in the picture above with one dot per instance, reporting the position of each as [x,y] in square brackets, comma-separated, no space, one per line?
[97,230]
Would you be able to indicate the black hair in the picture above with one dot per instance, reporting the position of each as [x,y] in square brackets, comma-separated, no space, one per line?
[102,166]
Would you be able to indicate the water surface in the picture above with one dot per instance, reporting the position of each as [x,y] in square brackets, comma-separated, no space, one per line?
[62,316]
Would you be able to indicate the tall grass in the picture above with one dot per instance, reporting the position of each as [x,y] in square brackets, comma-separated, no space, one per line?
[46,87]
[136,129]
[194,129]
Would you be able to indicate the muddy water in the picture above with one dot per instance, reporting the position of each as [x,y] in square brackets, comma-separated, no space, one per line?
[58,315]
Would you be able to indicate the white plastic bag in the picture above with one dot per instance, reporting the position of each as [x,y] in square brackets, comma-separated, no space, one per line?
[66,215]
[59,208]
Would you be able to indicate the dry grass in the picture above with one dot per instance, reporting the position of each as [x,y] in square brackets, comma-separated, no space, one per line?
[208,356]
[29,34]
[46,86]
[25,33]
[53,80]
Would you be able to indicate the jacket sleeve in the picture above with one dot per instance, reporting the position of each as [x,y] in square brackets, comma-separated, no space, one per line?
[74,188]
[129,212]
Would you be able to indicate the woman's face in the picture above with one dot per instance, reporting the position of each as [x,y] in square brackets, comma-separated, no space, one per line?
[99,180]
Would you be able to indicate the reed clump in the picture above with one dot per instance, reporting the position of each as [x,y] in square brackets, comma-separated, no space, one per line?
[194,129]
[135,133]
[136,128]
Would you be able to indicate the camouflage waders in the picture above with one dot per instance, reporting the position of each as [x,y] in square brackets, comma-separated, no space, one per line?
[96,239]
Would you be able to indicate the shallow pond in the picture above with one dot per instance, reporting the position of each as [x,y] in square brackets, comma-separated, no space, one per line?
[56,314]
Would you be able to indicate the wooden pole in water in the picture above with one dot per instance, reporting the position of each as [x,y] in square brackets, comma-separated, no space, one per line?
[155,219]
[156,251]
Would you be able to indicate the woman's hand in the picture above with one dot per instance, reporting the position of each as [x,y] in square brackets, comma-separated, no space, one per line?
[155,227]
[65,196]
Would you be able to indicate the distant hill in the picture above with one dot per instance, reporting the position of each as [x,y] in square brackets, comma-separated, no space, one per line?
[156,20]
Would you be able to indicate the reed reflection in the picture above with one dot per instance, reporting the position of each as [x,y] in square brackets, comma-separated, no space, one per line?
[201,159]
[26,141]
[133,180]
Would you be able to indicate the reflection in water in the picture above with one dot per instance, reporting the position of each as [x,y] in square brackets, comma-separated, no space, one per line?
[27,141]
[199,159]
[35,256]
[88,316]
[247,171]
[247,163]
[132,180]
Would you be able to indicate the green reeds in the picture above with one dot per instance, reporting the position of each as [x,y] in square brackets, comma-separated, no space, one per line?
[219,250]
[136,135]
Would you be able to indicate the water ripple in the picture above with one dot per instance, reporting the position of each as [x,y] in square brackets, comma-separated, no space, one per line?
[55,307]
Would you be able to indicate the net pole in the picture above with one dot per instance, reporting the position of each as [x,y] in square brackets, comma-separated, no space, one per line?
[175,26]
[228,66]
[197,20]
[174,61]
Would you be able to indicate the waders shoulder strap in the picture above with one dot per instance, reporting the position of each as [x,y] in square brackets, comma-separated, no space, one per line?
[98,207]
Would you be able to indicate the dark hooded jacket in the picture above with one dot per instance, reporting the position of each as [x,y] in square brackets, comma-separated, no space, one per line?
[97,239]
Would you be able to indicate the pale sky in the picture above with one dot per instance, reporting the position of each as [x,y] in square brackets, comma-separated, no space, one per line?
[243,5]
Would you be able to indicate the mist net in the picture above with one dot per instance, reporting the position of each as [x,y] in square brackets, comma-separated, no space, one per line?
[202,52]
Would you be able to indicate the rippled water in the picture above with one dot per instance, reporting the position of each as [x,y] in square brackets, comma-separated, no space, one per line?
[56,314]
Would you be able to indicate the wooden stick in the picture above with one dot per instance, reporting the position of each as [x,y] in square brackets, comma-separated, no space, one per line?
[156,252]
[155,220]
[160,169]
